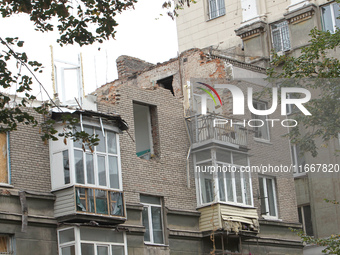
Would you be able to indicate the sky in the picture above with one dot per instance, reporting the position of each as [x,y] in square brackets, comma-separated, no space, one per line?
[141,33]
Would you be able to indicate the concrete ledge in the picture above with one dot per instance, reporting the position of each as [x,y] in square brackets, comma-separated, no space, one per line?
[280,223]
[185,233]
[31,218]
[183,212]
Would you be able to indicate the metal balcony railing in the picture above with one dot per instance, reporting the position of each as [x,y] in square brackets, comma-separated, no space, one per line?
[212,126]
[99,201]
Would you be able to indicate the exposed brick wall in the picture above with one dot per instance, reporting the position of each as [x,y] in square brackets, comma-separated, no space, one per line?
[30,165]
[127,65]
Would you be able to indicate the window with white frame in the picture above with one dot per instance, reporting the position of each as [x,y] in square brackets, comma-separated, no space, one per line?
[74,163]
[298,159]
[220,178]
[4,159]
[305,218]
[91,241]
[280,36]
[261,129]
[216,8]
[329,14]
[6,244]
[268,196]
[152,219]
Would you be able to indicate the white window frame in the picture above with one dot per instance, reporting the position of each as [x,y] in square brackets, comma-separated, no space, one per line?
[265,198]
[254,116]
[281,26]
[148,205]
[333,18]
[10,244]
[77,242]
[220,10]
[216,197]
[295,157]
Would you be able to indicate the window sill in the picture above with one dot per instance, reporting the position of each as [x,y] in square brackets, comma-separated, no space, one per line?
[225,203]
[262,141]
[156,244]
[300,175]
[5,185]
[271,218]
[209,19]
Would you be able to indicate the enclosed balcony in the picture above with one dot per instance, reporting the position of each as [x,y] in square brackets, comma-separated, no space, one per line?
[214,128]
[79,203]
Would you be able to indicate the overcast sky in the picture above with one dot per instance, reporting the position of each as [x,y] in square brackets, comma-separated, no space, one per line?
[139,34]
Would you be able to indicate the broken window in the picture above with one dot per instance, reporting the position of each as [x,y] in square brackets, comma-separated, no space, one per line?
[6,245]
[4,175]
[146,130]
[268,196]
[166,83]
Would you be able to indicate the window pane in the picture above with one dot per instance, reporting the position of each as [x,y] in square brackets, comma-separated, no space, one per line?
[68,250]
[77,144]
[157,224]
[203,155]
[89,169]
[300,215]
[308,220]
[102,250]
[263,198]
[4,244]
[150,200]
[111,142]
[90,200]
[79,165]
[101,170]
[271,199]
[207,187]
[240,159]
[117,207]
[327,24]
[81,199]
[221,187]
[261,129]
[229,182]
[212,9]
[246,184]
[145,218]
[87,249]
[66,167]
[66,236]
[223,156]
[221,7]
[113,170]
[237,175]
[88,130]
[101,147]
[101,235]
[117,250]
[101,201]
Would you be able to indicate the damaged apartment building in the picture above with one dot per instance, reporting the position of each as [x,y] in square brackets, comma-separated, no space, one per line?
[139,191]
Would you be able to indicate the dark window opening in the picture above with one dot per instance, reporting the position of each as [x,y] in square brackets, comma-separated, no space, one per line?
[166,83]
[305,218]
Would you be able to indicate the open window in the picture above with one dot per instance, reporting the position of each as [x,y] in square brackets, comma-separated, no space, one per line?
[268,197]
[146,130]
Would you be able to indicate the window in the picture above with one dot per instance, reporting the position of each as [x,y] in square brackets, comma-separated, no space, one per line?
[152,219]
[4,159]
[329,14]
[6,245]
[280,36]
[216,8]
[268,196]
[221,180]
[305,218]
[291,108]
[100,167]
[91,241]
[261,129]
[146,130]
[298,160]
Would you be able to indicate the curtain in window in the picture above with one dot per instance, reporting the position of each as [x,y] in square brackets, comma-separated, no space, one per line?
[221,7]
[117,204]
[212,9]
[4,244]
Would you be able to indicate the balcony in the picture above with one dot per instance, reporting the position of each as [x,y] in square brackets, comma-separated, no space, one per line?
[79,203]
[203,130]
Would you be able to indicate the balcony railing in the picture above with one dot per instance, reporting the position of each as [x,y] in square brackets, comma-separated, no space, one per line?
[99,201]
[203,127]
